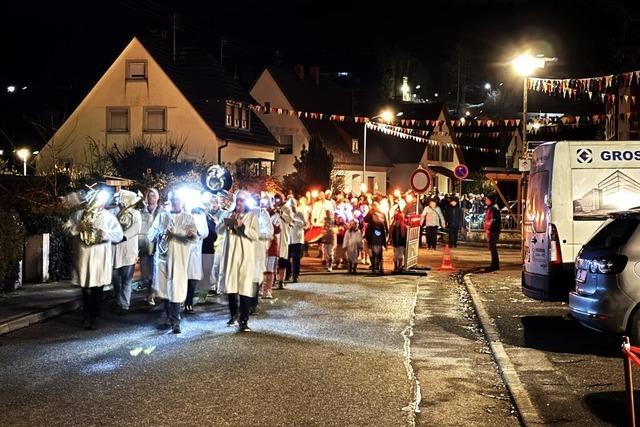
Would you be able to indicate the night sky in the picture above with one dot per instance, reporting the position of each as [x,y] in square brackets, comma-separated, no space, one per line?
[59,49]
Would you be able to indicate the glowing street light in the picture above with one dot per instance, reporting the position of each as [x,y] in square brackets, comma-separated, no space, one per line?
[525,65]
[11,88]
[487,86]
[24,154]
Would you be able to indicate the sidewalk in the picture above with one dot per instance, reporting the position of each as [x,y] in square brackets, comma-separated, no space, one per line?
[34,303]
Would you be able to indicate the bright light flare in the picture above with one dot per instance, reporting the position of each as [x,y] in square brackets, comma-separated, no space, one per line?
[190,197]
[387,115]
[397,193]
[409,198]
[363,187]
[314,194]
[525,64]
[487,86]
[11,88]
[23,154]
[103,197]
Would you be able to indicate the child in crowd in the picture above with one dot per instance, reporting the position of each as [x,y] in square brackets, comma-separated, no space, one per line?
[352,244]
[329,239]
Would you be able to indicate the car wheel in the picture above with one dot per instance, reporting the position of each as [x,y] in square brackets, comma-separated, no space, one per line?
[634,329]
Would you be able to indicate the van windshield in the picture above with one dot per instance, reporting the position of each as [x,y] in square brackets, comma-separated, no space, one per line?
[613,233]
[536,210]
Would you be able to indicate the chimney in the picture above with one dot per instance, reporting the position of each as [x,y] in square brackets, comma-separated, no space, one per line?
[299,70]
[314,73]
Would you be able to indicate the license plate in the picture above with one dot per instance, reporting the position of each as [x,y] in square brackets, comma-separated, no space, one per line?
[581,276]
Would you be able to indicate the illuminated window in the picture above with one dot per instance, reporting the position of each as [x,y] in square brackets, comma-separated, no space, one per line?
[355,146]
[237,117]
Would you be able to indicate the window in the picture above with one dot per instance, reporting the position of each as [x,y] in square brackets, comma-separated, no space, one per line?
[433,152]
[355,146]
[137,70]
[286,141]
[155,119]
[447,154]
[117,119]
[237,117]
[613,233]
[536,207]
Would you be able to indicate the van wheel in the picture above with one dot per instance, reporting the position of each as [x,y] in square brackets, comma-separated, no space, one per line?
[634,329]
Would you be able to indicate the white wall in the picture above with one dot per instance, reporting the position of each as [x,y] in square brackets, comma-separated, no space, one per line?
[353,178]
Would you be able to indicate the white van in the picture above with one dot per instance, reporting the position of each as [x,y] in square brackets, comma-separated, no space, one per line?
[573,186]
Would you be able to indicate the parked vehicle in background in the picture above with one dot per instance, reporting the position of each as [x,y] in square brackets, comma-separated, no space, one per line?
[573,186]
[606,296]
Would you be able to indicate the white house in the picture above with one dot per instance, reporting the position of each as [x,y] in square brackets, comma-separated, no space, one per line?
[151,93]
[390,160]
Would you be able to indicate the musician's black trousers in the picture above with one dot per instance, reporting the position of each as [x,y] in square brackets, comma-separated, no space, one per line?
[92,300]
[245,306]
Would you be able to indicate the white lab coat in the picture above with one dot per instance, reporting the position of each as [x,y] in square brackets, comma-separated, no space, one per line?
[261,246]
[237,269]
[194,269]
[218,247]
[92,265]
[286,221]
[144,246]
[297,227]
[170,271]
[319,212]
[126,252]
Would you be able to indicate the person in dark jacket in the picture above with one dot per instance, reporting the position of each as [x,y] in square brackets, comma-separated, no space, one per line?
[492,226]
[398,238]
[375,234]
[453,217]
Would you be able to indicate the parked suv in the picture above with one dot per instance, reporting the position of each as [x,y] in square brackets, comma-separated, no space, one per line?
[607,284]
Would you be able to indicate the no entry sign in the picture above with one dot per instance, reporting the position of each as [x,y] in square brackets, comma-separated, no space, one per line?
[461,171]
[420,180]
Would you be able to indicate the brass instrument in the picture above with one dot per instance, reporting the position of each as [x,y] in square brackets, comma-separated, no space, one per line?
[163,242]
[92,217]
[127,201]
[218,181]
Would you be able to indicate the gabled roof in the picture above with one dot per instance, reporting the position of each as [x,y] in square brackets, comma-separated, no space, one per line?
[305,95]
[206,85]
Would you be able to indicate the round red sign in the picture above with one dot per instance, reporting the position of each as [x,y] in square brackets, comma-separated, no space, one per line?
[461,171]
[420,180]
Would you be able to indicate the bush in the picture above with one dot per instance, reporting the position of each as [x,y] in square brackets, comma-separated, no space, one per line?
[11,248]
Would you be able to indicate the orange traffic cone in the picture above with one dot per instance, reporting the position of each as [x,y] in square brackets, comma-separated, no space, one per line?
[446,260]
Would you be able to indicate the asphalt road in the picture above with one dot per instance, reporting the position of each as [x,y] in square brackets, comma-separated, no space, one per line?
[333,349]
[321,353]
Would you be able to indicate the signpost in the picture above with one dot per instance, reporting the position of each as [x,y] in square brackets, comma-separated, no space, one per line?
[461,171]
[420,180]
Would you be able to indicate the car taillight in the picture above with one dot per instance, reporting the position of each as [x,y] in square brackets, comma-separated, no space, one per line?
[555,255]
[608,264]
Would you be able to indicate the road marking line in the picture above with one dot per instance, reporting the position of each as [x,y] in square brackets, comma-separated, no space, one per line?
[528,413]
[413,407]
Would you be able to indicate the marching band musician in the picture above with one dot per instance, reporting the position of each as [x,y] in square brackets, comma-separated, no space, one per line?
[261,246]
[195,259]
[237,265]
[146,248]
[283,210]
[93,229]
[174,232]
[125,253]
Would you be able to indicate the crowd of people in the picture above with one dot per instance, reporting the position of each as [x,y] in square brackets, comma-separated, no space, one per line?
[248,248]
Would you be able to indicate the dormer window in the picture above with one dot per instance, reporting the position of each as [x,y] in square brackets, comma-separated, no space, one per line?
[237,117]
[136,70]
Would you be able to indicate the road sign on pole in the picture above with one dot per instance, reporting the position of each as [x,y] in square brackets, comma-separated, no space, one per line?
[461,171]
[420,180]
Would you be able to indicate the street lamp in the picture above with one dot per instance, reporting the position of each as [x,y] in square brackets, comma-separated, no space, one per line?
[387,116]
[24,154]
[525,65]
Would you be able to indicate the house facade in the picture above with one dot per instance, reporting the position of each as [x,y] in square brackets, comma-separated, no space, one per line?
[154,96]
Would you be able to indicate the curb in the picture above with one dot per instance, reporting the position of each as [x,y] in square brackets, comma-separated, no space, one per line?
[39,316]
[528,413]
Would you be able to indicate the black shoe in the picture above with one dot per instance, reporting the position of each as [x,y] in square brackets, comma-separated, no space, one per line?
[93,324]
[232,322]
[86,323]
[280,284]
[295,279]
[252,311]
[164,324]
[244,327]
[121,311]
[176,328]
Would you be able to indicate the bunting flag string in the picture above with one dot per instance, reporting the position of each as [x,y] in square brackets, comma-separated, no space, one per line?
[591,88]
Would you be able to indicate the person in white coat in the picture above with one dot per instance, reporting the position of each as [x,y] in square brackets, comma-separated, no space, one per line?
[195,271]
[283,210]
[125,253]
[174,232]
[266,234]
[93,261]
[146,248]
[296,243]
[237,270]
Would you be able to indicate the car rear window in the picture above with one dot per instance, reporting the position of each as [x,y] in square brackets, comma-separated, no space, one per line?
[536,208]
[613,233]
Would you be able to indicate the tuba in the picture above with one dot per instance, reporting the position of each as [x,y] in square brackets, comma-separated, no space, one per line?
[218,180]
[92,216]
[127,201]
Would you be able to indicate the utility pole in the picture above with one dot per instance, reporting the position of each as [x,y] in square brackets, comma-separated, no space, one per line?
[222,43]
[173,28]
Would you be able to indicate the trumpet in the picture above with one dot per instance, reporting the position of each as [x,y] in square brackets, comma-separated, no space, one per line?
[163,242]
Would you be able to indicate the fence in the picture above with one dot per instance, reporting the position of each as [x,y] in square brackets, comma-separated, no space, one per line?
[474,222]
